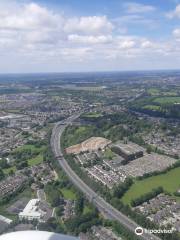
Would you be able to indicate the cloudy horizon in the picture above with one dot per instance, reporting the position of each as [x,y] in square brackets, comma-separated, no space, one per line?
[74,36]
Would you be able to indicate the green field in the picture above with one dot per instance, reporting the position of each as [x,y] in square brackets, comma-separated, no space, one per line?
[153,91]
[35,161]
[108,154]
[167,100]
[68,194]
[93,115]
[8,170]
[33,148]
[152,107]
[86,209]
[170,181]
[74,134]
[162,92]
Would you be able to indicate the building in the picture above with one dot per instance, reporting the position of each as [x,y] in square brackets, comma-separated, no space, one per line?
[36,210]
[31,211]
[129,151]
[11,184]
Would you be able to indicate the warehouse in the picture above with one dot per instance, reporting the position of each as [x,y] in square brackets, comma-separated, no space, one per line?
[129,151]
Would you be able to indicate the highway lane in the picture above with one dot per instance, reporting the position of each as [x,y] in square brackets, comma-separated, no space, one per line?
[104,207]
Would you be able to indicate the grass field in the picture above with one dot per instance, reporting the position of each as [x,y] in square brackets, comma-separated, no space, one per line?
[153,91]
[8,170]
[108,154]
[162,92]
[31,162]
[33,148]
[35,161]
[68,194]
[86,209]
[169,181]
[93,115]
[166,100]
[152,107]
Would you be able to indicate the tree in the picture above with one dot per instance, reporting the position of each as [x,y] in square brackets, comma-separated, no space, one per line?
[59,211]
[79,205]
[149,149]
[2,175]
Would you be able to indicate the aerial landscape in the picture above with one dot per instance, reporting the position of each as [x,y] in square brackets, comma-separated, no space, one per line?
[72,150]
[89,147]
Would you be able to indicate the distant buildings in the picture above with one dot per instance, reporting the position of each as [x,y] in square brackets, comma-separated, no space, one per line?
[127,160]
[11,184]
[163,210]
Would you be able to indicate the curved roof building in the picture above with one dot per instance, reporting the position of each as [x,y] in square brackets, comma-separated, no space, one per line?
[35,235]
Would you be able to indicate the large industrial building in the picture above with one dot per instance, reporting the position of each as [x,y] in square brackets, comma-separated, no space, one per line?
[129,151]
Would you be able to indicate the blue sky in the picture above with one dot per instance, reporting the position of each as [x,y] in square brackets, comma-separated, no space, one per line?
[96,35]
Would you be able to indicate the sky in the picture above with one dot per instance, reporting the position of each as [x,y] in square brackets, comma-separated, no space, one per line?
[89,35]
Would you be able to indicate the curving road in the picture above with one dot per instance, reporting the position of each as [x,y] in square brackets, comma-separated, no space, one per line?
[104,207]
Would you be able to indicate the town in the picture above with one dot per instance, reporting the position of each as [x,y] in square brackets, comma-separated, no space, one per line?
[115,149]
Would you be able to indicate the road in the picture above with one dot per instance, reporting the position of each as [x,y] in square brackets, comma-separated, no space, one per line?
[104,207]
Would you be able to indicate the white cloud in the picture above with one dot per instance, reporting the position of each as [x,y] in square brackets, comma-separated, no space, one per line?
[127,44]
[33,24]
[75,38]
[176,33]
[133,7]
[175,13]
[89,25]
[30,32]
[77,54]
[28,17]
[147,44]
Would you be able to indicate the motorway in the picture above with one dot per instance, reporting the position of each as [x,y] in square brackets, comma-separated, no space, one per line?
[104,207]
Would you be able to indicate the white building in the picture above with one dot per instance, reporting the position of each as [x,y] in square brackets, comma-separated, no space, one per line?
[31,211]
